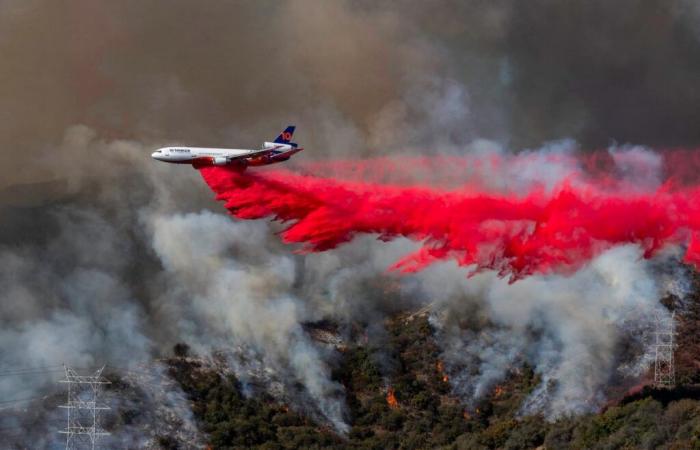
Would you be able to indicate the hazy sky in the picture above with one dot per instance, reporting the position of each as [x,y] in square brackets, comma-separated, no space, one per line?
[357,76]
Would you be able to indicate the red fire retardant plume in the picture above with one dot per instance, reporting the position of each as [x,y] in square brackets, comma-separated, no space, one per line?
[535,232]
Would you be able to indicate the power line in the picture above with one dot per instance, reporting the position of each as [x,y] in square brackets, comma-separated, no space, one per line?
[21,400]
[25,425]
[28,373]
[32,369]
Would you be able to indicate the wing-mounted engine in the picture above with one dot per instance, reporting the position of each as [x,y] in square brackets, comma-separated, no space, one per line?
[220,161]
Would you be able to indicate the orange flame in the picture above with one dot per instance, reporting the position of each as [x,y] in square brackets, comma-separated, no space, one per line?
[391,398]
[498,391]
[440,367]
[466,415]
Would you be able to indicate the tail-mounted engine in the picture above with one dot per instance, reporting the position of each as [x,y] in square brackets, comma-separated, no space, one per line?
[276,145]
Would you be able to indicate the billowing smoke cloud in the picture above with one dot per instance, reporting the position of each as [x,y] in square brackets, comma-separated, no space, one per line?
[578,332]
[243,298]
[97,245]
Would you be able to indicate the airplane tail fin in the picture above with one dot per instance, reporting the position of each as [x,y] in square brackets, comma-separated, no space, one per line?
[285,137]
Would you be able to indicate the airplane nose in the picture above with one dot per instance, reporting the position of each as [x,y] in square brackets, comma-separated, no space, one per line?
[155,154]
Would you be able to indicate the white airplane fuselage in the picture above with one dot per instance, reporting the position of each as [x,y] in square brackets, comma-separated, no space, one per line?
[202,156]
[270,152]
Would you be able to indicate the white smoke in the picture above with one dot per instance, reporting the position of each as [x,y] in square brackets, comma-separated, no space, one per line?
[570,329]
[639,168]
[68,302]
[241,293]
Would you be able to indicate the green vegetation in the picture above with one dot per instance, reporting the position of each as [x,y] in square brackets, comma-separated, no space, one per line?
[426,414]
[235,422]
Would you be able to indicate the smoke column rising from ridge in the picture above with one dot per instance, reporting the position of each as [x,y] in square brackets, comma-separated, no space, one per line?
[536,230]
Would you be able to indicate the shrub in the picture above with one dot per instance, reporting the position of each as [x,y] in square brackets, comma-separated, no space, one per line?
[529,433]
[393,421]
[181,350]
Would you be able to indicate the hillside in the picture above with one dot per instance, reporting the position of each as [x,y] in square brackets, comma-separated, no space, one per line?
[412,406]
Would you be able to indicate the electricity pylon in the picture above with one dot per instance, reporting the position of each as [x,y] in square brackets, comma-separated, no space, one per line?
[664,366]
[83,428]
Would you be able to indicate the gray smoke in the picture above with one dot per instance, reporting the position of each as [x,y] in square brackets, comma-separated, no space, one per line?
[233,289]
[579,332]
[571,330]
[108,257]
[357,77]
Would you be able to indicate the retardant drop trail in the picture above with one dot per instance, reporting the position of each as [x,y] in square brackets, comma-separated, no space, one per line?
[534,232]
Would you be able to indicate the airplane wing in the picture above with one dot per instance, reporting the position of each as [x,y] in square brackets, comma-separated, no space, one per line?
[254,154]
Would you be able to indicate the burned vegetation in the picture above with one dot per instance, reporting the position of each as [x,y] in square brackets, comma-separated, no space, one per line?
[399,396]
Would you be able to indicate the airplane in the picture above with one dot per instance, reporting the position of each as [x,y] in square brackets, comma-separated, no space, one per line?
[281,149]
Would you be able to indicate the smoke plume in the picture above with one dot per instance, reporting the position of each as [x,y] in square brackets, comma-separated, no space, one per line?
[109,257]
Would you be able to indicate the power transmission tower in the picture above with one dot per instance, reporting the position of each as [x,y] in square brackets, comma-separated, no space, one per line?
[83,429]
[664,366]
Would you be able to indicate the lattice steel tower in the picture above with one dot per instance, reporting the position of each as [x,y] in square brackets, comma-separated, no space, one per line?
[664,366]
[83,429]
